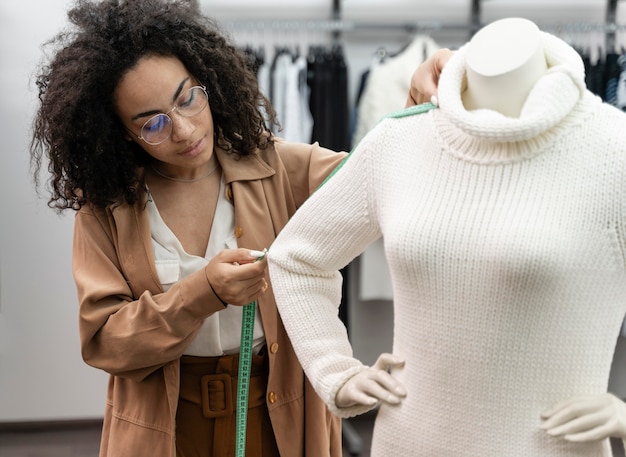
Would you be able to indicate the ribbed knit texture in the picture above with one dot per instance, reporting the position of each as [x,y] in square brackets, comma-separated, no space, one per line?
[505,240]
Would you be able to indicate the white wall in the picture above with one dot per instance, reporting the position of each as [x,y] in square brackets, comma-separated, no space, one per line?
[42,376]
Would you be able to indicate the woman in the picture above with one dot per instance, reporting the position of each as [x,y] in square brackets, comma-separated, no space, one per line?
[154,128]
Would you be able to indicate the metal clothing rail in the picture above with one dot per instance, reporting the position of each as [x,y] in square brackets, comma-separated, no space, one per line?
[609,27]
[338,25]
[351,26]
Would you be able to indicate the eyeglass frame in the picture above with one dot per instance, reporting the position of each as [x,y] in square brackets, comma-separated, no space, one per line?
[167,114]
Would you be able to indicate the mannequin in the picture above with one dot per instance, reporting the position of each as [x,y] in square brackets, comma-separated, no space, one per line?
[504,60]
[503,224]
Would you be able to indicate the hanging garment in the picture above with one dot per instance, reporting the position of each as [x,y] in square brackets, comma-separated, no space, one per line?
[385,90]
[611,78]
[388,84]
[297,122]
[620,101]
[605,77]
[328,101]
[279,73]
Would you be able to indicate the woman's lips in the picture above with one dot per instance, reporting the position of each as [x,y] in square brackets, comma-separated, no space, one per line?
[194,149]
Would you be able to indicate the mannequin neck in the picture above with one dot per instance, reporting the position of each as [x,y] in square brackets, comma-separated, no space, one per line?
[504,60]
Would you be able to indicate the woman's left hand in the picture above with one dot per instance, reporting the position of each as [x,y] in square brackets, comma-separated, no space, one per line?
[587,418]
[425,78]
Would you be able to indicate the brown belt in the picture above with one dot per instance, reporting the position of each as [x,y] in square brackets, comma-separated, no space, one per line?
[211,382]
[207,408]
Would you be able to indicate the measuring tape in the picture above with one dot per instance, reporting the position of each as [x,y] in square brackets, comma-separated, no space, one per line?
[243,380]
[245,366]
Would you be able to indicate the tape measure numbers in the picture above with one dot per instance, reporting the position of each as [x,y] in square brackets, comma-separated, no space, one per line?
[243,380]
[245,366]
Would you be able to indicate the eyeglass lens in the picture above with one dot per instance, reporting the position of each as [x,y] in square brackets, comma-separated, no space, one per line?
[190,103]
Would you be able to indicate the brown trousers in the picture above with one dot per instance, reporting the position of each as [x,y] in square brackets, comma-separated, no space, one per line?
[206,416]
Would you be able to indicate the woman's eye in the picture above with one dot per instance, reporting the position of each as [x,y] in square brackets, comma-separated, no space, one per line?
[187,100]
[157,123]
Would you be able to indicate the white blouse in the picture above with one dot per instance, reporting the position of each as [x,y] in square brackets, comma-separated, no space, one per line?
[221,332]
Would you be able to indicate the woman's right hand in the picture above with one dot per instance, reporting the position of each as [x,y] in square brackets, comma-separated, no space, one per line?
[236,277]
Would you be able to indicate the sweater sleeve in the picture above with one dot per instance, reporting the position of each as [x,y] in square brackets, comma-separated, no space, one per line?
[330,229]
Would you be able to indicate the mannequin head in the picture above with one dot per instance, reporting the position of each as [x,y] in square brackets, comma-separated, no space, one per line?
[504,60]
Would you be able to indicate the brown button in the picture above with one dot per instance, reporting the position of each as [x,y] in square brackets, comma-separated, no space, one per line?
[272,397]
[274,348]
[238,232]
[229,193]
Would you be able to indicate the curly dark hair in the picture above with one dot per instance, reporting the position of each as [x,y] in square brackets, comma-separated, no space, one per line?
[76,126]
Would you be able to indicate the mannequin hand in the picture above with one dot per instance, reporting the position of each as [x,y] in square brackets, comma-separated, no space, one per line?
[426,78]
[235,276]
[587,418]
[373,385]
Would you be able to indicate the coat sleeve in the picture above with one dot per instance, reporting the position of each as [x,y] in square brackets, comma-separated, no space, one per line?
[329,230]
[307,166]
[122,332]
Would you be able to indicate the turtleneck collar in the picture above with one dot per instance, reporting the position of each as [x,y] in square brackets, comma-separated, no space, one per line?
[557,101]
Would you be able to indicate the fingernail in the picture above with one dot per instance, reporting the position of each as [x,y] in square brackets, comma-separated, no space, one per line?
[255,254]
[434,100]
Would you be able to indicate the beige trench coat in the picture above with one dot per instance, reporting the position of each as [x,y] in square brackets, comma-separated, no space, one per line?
[135,332]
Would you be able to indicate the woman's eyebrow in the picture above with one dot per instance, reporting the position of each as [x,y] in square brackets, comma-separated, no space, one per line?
[174,98]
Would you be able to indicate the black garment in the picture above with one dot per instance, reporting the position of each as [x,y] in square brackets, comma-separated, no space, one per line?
[328,99]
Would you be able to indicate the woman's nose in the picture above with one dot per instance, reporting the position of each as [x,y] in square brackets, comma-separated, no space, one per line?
[181,126]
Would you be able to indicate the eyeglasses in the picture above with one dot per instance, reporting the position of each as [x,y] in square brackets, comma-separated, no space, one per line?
[190,103]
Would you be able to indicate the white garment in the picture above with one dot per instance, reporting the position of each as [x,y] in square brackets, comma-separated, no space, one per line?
[374,277]
[297,121]
[621,84]
[279,83]
[388,83]
[263,78]
[221,332]
[385,91]
[506,240]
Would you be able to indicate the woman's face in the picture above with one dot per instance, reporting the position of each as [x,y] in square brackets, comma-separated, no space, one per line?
[155,85]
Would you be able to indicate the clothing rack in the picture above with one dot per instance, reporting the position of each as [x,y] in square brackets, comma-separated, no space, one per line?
[345,26]
[334,30]
[337,26]
[476,15]
[340,25]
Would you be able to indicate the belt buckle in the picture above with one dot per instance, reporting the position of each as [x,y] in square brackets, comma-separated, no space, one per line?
[215,386]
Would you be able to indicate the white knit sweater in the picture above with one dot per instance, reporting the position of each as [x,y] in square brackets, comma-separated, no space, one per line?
[506,241]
